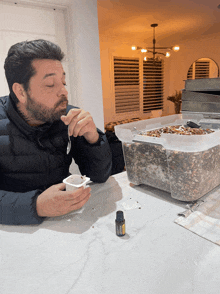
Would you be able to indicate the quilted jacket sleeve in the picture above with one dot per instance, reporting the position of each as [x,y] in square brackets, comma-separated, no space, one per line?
[19,208]
[94,160]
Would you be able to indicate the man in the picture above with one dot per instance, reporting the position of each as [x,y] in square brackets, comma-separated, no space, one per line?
[36,123]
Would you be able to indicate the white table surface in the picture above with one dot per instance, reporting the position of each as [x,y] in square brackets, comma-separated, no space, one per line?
[80,253]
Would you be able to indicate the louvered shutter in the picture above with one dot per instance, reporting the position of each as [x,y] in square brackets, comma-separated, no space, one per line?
[153,85]
[190,73]
[126,81]
[201,69]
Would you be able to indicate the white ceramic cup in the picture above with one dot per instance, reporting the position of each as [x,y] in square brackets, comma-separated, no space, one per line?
[74,182]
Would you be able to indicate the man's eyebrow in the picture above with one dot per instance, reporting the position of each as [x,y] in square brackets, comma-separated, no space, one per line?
[51,74]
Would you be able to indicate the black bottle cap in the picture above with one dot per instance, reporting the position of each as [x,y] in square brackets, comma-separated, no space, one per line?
[191,124]
[119,216]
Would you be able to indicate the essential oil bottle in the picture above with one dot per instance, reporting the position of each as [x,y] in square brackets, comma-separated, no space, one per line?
[120,223]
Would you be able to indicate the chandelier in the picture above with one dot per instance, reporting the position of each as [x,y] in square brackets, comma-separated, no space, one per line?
[154,48]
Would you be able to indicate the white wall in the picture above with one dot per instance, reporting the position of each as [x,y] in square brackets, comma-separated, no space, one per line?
[19,23]
[84,58]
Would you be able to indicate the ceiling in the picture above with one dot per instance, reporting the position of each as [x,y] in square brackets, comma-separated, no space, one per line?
[128,21]
[178,20]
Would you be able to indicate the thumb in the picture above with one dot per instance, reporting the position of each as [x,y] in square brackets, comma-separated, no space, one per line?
[60,186]
[63,118]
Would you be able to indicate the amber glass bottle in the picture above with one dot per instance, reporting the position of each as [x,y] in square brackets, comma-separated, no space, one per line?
[120,223]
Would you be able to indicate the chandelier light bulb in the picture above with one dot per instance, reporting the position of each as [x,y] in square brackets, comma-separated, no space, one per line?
[154,48]
[176,48]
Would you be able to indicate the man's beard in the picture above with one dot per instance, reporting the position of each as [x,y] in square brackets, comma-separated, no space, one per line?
[40,112]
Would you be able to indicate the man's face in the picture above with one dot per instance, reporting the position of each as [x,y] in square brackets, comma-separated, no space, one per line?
[46,97]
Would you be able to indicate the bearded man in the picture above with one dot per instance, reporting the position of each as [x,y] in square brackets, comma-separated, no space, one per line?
[36,125]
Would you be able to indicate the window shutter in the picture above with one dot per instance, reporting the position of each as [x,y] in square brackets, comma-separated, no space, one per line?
[126,80]
[199,70]
[153,85]
[190,73]
[202,69]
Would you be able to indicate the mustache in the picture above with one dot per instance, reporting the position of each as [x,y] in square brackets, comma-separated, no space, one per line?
[63,99]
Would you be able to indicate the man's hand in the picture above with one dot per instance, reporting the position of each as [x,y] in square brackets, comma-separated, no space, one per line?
[81,123]
[55,202]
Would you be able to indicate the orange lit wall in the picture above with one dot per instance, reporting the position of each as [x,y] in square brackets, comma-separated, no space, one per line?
[175,70]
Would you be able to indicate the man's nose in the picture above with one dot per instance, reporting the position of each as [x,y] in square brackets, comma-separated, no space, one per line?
[62,91]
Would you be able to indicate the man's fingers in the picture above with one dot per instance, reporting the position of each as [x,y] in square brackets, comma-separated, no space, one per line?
[60,186]
[76,119]
[78,122]
[77,195]
[54,201]
[72,127]
[79,128]
[80,204]
[69,195]
[70,115]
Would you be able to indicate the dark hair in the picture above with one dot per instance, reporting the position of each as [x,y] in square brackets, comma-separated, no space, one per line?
[18,63]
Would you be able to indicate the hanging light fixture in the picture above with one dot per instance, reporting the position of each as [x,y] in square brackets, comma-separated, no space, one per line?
[154,48]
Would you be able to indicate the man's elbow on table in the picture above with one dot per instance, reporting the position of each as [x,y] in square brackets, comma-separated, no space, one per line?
[102,177]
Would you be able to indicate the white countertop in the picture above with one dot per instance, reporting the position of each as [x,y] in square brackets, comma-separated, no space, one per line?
[80,253]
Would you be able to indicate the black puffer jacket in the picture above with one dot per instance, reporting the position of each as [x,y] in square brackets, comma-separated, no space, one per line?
[34,158]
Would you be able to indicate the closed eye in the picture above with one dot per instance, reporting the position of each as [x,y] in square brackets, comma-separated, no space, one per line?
[50,86]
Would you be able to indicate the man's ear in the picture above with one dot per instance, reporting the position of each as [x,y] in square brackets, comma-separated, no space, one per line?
[19,91]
